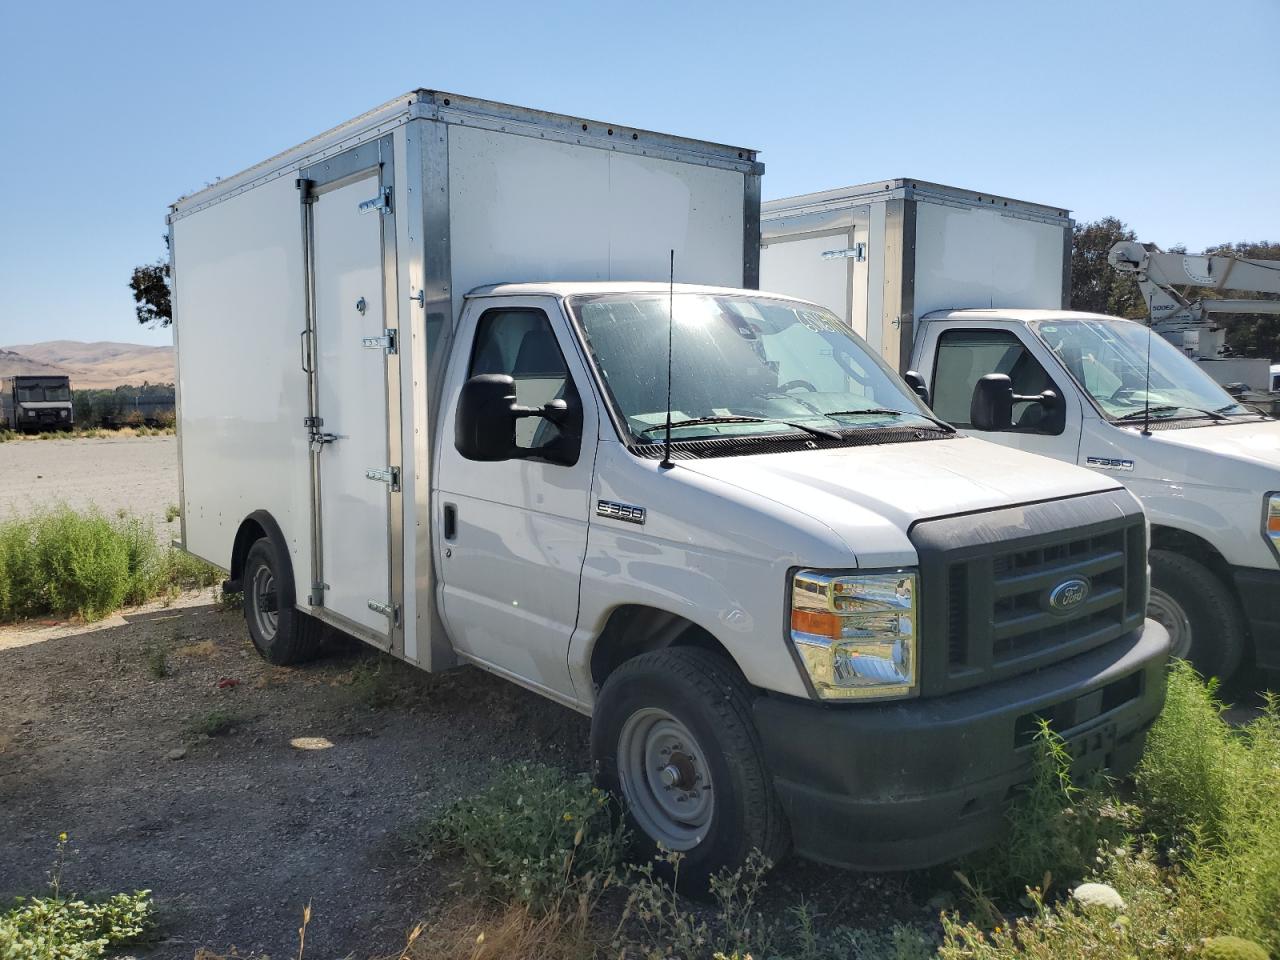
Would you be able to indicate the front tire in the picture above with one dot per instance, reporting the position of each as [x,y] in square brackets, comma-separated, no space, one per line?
[281,633]
[673,739]
[1200,613]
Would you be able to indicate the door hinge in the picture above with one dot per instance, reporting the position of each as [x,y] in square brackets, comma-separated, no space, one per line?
[381,203]
[389,610]
[389,341]
[387,475]
[858,252]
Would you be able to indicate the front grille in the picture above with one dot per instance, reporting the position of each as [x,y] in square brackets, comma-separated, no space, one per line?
[990,586]
[1021,621]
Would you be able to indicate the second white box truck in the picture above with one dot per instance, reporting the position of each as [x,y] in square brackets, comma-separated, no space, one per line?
[424,398]
[970,292]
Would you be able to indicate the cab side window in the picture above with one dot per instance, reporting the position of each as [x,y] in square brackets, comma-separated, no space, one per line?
[520,343]
[965,356]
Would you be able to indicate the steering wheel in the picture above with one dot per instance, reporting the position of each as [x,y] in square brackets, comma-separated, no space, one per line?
[792,384]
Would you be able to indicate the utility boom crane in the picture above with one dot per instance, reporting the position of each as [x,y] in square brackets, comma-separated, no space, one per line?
[1187,323]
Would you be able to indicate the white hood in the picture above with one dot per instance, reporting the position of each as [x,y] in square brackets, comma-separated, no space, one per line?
[1253,441]
[900,482]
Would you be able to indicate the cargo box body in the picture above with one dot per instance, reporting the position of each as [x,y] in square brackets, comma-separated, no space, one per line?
[884,254]
[315,297]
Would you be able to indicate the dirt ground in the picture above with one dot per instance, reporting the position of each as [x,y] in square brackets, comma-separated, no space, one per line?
[236,832]
[138,474]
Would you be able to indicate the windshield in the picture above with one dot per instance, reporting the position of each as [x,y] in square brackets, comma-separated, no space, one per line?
[38,392]
[1108,358]
[741,366]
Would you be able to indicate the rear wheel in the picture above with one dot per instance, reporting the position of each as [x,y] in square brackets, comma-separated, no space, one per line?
[1200,613]
[673,738]
[281,633]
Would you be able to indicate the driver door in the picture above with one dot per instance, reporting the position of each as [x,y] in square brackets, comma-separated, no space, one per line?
[962,355]
[515,531]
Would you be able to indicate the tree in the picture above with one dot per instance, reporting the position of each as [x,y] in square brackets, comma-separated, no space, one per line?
[1096,286]
[150,285]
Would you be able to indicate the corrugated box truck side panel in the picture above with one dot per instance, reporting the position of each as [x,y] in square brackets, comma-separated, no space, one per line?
[322,287]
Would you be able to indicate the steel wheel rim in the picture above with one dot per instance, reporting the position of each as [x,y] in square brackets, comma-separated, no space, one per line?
[1167,612]
[665,780]
[264,589]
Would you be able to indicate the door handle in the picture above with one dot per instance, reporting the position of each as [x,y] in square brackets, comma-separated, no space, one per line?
[450,521]
[304,348]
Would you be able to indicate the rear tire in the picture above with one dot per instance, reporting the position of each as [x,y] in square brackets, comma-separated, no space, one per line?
[673,739]
[1200,613]
[280,632]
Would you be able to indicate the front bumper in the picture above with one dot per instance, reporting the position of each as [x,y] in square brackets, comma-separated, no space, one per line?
[1259,592]
[903,785]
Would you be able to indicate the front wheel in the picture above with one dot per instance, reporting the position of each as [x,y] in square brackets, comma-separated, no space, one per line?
[673,738]
[1200,613]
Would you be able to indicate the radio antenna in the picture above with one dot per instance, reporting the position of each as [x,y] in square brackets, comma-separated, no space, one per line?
[1146,393]
[666,463]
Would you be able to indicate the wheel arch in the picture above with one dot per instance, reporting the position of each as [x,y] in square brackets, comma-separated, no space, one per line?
[253,528]
[1194,546]
[633,628]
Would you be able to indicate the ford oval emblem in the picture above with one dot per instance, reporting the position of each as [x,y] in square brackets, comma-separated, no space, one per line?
[1066,596]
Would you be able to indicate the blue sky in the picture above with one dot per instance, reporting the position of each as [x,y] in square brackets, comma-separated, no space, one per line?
[1162,113]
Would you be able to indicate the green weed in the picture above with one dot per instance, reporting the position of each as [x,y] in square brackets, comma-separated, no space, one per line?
[157,660]
[66,562]
[171,513]
[1054,828]
[215,723]
[534,837]
[58,927]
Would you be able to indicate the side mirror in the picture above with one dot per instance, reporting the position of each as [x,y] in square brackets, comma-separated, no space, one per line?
[916,383]
[992,405]
[991,408]
[485,424]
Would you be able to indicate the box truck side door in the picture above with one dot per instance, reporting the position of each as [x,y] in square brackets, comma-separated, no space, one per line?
[828,266]
[355,460]
[956,355]
[514,532]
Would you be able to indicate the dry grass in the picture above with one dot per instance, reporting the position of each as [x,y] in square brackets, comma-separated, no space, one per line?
[202,649]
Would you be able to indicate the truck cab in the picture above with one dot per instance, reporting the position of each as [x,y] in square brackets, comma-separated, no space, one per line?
[1129,404]
[32,404]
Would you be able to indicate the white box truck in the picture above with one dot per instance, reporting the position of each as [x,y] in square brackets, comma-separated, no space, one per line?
[969,293]
[424,399]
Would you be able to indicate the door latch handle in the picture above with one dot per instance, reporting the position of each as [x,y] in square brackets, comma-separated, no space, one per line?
[420,298]
[450,521]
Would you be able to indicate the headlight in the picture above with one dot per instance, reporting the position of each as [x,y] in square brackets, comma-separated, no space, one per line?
[856,633]
[1271,522]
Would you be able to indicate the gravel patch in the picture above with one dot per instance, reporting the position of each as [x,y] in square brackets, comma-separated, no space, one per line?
[137,474]
[235,833]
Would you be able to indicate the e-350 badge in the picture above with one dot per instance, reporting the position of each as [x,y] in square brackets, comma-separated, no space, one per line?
[1109,463]
[620,511]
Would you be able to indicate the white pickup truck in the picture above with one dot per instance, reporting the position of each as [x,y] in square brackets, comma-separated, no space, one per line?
[812,617]
[967,294]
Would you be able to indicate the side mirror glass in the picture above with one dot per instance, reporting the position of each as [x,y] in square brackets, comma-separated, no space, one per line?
[485,424]
[992,405]
[916,383]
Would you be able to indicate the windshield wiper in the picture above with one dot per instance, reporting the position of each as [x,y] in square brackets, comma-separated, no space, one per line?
[1211,414]
[1139,414]
[699,421]
[885,411]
